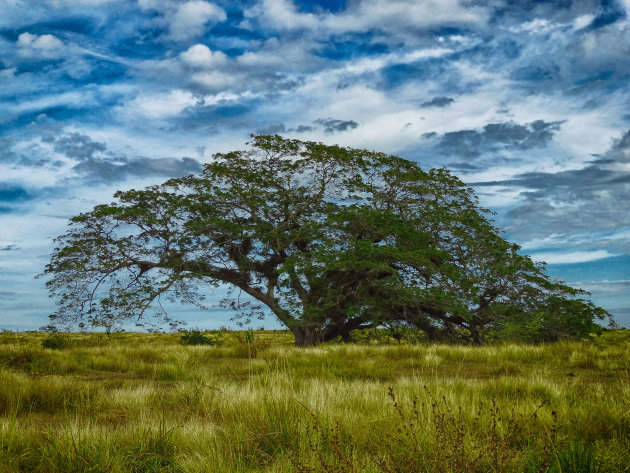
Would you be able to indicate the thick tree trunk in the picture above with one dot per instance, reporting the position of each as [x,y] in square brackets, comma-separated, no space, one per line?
[309,336]
[306,336]
[475,336]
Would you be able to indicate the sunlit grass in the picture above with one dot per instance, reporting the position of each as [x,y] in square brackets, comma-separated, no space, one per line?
[144,402]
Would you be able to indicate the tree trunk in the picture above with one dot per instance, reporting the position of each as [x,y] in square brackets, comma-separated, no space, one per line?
[306,336]
[475,335]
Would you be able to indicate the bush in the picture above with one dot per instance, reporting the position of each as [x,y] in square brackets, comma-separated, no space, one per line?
[55,341]
[195,337]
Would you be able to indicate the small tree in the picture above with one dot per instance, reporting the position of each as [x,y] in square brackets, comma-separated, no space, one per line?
[329,239]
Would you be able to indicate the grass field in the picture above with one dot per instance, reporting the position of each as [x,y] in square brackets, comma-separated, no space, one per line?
[145,403]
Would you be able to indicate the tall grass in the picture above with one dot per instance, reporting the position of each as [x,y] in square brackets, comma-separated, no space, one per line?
[145,402]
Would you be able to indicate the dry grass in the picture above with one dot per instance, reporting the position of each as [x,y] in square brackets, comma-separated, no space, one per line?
[144,402]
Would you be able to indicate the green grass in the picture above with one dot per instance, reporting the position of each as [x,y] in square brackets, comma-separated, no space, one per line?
[145,402]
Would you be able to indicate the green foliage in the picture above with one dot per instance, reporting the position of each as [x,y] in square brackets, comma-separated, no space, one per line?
[55,341]
[392,333]
[195,337]
[328,239]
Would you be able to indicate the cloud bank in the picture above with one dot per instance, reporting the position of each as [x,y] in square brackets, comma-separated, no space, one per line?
[526,101]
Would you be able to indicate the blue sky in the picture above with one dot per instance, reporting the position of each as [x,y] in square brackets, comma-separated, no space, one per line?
[528,102]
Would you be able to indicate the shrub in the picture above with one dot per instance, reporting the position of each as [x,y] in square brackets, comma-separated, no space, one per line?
[55,341]
[195,337]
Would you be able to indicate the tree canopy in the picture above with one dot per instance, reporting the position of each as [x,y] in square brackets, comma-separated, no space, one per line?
[329,239]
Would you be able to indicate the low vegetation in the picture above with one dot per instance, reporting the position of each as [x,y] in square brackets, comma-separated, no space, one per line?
[251,401]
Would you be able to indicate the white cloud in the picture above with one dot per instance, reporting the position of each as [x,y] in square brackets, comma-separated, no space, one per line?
[74,3]
[190,19]
[212,80]
[411,14]
[582,21]
[8,73]
[199,67]
[49,46]
[277,54]
[185,20]
[537,26]
[618,286]
[282,14]
[498,197]
[149,4]
[160,106]
[48,175]
[381,114]
[200,56]
[623,234]
[66,99]
[573,257]
[547,241]
[45,45]
[391,15]
[225,97]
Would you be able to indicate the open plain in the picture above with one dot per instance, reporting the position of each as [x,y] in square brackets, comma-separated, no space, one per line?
[253,402]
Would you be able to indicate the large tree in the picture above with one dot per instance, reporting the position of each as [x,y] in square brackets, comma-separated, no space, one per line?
[329,239]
